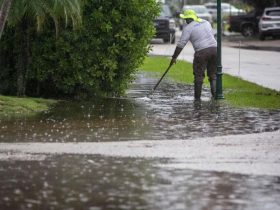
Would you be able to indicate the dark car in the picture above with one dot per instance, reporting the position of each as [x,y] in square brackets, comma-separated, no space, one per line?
[165,25]
[246,24]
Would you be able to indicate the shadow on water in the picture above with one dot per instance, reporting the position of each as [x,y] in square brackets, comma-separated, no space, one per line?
[170,113]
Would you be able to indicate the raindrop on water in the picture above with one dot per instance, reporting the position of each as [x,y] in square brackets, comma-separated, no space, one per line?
[17,191]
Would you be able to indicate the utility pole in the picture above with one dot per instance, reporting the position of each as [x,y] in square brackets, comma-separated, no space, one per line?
[219,87]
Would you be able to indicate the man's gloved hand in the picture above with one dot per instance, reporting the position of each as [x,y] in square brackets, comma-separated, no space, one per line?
[175,55]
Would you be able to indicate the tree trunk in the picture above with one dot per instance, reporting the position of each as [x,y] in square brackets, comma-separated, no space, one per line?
[23,60]
[183,2]
[4,12]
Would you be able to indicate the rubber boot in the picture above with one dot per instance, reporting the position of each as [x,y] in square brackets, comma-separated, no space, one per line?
[197,90]
[213,88]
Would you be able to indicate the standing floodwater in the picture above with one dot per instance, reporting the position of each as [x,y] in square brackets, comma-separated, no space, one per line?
[34,180]
[170,113]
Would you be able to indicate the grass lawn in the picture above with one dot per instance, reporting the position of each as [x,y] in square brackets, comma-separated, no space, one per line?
[237,92]
[21,107]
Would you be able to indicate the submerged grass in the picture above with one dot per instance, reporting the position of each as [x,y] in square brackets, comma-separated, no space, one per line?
[23,107]
[237,92]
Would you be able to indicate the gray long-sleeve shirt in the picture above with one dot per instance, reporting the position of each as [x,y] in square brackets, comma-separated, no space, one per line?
[199,34]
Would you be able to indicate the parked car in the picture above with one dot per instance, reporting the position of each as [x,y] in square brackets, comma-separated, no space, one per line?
[269,24]
[227,10]
[165,25]
[201,12]
[246,24]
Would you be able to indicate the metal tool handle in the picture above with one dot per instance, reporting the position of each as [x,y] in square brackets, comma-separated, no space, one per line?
[162,77]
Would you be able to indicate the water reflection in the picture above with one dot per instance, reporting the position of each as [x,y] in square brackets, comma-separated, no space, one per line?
[94,182]
[170,113]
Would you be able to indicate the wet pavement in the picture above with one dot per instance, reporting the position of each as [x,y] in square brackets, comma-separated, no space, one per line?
[252,43]
[95,182]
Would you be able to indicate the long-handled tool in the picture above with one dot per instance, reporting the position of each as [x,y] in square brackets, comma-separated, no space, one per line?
[161,78]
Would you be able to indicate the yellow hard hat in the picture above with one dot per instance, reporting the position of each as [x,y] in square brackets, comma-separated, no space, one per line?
[189,13]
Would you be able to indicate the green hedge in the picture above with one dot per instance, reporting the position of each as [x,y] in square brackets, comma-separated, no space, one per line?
[98,59]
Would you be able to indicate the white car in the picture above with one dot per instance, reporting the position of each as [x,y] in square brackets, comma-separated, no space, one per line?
[201,12]
[269,24]
[227,10]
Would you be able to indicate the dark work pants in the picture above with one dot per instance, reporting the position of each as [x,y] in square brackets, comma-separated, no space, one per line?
[205,59]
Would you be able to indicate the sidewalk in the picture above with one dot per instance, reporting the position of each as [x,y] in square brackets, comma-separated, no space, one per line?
[252,154]
[237,41]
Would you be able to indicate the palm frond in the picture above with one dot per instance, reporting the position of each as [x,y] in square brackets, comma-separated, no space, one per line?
[39,10]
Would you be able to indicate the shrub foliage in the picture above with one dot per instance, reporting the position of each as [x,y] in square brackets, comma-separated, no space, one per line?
[97,59]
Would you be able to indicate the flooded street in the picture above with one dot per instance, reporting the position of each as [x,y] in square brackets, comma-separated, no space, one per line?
[95,165]
[168,114]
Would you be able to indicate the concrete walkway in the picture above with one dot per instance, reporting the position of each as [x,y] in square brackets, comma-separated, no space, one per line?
[254,154]
[257,66]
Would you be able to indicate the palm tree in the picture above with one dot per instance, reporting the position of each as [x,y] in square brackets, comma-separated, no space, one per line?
[39,10]
[21,14]
[4,11]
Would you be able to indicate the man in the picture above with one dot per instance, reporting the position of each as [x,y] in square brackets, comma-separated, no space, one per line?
[199,33]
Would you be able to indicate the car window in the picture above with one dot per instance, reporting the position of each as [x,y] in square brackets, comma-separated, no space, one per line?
[273,13]
[211,6]
[165,11]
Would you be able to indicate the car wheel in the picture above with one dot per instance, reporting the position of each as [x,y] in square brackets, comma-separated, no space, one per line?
[275,36]
[166,40]
[247,30]
[262,37]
